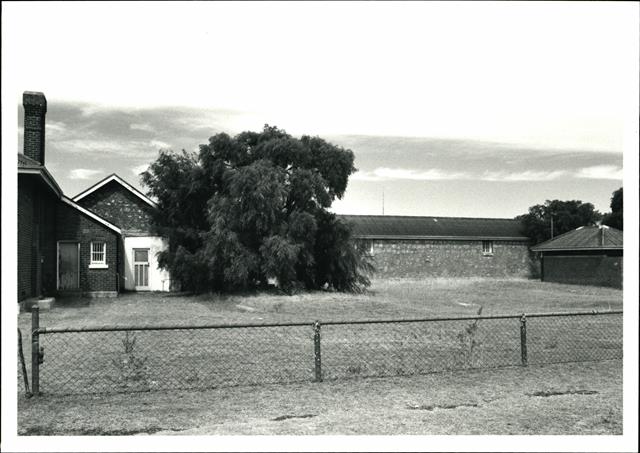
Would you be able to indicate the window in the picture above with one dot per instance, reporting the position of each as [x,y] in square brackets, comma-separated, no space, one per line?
[367,246]
[98,255]
[487,247]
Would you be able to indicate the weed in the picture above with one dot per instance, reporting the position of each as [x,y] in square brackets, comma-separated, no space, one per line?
[131,369]
[468,341]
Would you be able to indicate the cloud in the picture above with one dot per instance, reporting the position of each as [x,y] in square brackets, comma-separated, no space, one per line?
[527,175]
[159,144]
[146,127]
[600,172]
[83,173]
[388,174]
[139,169]
[391,174]
[124,148]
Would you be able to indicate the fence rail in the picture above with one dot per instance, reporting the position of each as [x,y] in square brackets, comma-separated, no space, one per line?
[99,359]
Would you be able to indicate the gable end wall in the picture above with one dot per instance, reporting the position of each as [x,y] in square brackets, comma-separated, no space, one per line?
[120,207]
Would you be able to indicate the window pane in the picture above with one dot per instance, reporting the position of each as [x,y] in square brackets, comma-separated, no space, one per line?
[141,256]
[97,252]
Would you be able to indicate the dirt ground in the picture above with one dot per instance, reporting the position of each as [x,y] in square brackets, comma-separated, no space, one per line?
[578,398]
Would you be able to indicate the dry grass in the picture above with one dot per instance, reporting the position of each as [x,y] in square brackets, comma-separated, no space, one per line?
[386,299]
[583,398]
[97,362]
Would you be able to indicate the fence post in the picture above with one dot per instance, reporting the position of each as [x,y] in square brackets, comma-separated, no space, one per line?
[25,376]
[35,350]
[316,351]
[523,339]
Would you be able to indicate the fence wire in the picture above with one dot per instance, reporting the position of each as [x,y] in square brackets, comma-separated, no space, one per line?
[138,361]
[415,348]
[574,338]
[89,361]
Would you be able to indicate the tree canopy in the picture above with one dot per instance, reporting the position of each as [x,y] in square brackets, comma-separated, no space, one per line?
[614,218]
[566,215]
[253,207]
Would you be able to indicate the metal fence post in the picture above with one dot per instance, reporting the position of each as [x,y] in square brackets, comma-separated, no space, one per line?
[316,351]
[25,376]
[35,350]
[523,339]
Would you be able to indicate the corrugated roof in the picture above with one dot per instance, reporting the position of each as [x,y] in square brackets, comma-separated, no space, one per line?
[438,227]
[26,161]
[586,237]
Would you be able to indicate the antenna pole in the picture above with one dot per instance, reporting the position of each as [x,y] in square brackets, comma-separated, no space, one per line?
[383,201]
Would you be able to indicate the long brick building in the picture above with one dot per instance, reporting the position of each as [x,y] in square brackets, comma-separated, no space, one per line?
[407,246]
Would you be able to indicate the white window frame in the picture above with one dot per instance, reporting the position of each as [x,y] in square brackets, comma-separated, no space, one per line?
[487,251]
[98,264]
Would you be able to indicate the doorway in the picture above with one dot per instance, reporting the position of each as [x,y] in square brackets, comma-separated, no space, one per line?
[68,265]
[141,269]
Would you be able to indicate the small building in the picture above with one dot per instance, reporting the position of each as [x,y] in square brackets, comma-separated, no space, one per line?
[588,255]
[121,204]
[415,247]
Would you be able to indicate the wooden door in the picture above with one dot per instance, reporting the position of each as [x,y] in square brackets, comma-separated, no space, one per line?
[68,265]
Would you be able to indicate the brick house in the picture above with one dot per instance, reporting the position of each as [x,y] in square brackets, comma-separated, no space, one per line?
[65,247]
[118,202]
[404,246]
[588,255]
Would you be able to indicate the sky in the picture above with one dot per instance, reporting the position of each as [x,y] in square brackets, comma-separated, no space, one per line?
[468,110]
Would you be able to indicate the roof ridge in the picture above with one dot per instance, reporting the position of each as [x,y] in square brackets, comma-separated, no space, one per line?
[120,180]
[427,217]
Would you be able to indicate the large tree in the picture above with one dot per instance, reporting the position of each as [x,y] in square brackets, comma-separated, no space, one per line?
[559,216]
[614,218]
[252,207]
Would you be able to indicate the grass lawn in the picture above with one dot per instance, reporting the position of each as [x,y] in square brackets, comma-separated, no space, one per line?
[385,299]
[577,398]
[160,360]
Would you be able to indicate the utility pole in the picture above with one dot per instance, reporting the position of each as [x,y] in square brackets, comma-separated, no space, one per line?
[552,227]
[383,201]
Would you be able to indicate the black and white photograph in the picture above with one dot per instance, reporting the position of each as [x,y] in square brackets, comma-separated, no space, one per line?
[320,226]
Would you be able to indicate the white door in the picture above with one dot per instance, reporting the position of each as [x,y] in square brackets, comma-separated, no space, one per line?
[141,268]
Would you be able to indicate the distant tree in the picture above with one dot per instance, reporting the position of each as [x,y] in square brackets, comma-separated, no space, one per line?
[614,218]
[253,207]
[566,215]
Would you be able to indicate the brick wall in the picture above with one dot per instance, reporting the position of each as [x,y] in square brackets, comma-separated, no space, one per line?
[48,248]
[598,269]
[119,206]
[75,226]
[36,238]
[446,258]
[25,236]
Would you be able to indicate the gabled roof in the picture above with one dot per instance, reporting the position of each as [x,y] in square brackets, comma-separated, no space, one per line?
[584,238]
[122,182]
[29,166]
[409,227]
[91,214]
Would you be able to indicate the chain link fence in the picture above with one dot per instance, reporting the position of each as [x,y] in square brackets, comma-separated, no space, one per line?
[143,358]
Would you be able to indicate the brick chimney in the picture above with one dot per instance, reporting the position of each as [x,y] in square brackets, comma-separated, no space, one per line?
[35,109]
